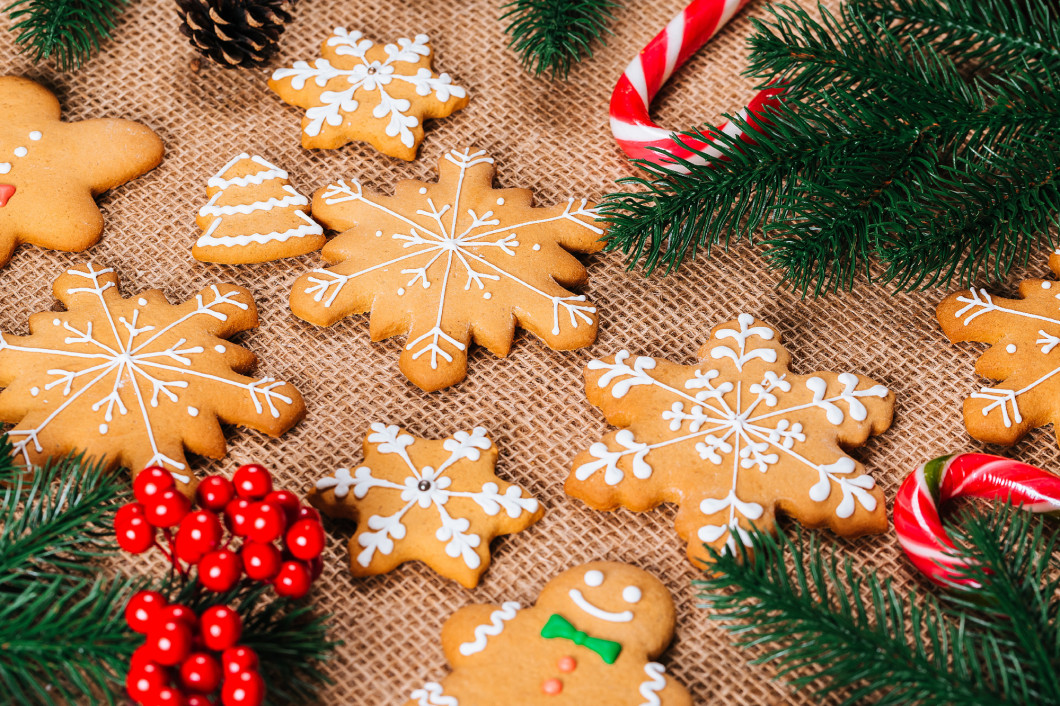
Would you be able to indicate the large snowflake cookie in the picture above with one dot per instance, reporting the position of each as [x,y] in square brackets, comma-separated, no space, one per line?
[254,215]
[51,171]
[435,501]
[362,92]
[1024,335]
[452,261]
[733,438]
[591,638]
[136,381]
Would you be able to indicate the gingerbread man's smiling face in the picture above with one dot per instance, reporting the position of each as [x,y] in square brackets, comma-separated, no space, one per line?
[615,602]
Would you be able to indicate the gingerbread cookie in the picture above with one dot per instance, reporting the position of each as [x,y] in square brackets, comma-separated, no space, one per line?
[1023,335]
[361,92]
[591,638]
[435,501]
[254,215]
[50,171]
[450,261]
[136,381]
[733,438]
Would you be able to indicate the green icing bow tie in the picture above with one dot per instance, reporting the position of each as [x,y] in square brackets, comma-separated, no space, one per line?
[559,627]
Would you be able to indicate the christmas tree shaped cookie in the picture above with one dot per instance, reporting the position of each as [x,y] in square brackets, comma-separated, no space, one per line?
[50,171]
[254,215]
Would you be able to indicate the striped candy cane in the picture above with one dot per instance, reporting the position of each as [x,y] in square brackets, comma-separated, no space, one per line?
[630,121]
[969,475]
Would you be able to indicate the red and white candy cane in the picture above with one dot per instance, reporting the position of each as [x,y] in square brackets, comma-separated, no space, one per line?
[968,475]
[630,121]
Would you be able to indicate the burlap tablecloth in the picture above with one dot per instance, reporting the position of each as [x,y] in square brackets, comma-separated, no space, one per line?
[554,139]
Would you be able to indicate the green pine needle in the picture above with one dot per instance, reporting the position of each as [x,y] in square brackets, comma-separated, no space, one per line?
[67,31]
[552,35]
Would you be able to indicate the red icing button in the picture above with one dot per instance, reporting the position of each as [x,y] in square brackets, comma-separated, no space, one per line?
[6,192]
[567,664]
[552,686]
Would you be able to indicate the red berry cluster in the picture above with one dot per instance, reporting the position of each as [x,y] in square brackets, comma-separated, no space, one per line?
[187,658]
[250,508]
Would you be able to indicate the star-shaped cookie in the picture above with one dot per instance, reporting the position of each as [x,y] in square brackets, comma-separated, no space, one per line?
[362,92]
[436,501]
[51,171]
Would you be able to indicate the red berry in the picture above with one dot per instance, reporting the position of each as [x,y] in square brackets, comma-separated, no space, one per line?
[199,700]
[237,516]
[305,539]
[219,570]
[142,610]
[180,612]
[252,481]
[200,532]
[293,580]
[266,522]
[169,643]
[308,513]
[201,673]
[260,561]
[145,679]
[243,689]
[239,659]
[141,656]
[215,492]
[133,532]
[129,510]
[288,500]
[167,508]
[150,482]
[316,567]
[221,627]
[166,696]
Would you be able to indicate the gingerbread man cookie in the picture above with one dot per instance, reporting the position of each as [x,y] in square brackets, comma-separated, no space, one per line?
[732,438]
[51,171]
[591,638]
[136,381]
[435,501]
[362,92]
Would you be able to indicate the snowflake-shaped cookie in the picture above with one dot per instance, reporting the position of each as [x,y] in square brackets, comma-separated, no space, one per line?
[137,380]
[733,438]
[50,171]
[436,501]
[363,92]
[451,261]
[1024,335]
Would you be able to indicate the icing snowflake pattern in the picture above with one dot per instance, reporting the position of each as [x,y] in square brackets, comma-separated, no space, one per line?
[152,377]
[1024,335]
[404,503]
[391,88]
[449,261]
[731,438]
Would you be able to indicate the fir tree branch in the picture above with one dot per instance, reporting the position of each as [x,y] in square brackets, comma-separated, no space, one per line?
[68,31]
[552,35]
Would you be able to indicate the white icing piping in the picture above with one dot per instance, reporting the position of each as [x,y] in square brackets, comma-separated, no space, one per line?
[271,171]
[310,228]
[580,601]
[656,682]
[493,628]
[292,199]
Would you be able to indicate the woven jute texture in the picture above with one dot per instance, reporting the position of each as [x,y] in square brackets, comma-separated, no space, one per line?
[554,139]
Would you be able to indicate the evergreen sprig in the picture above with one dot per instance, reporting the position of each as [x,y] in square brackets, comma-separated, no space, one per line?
[817,617]
[67,31]
[886,148]
[552,35]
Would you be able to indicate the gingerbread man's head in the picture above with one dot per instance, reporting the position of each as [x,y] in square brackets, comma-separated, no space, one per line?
[614,602]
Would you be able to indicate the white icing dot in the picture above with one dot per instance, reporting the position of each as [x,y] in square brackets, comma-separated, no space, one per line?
[631,594]
[35,135]
[401,290]
[594,578]
[103,428]
[1046,285]
[21,151]
[34,391]
[423,189]
[193,411]
[4,167]
[379,234]
[141,301]
[219,348]
[487,295]
[1010,348]
[537,246]
[500,201]
[56,322]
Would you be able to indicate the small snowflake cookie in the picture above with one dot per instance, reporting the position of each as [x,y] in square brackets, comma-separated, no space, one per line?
[254,215]
[591,638]
[362,92]
[1024,335]
[136,381]
[452,261]
[733,438]
[435,501]
[51,171]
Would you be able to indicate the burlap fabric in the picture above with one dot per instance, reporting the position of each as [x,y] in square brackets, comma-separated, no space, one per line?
[553,138]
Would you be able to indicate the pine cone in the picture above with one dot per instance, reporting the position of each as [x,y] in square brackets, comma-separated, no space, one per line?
[235,33]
